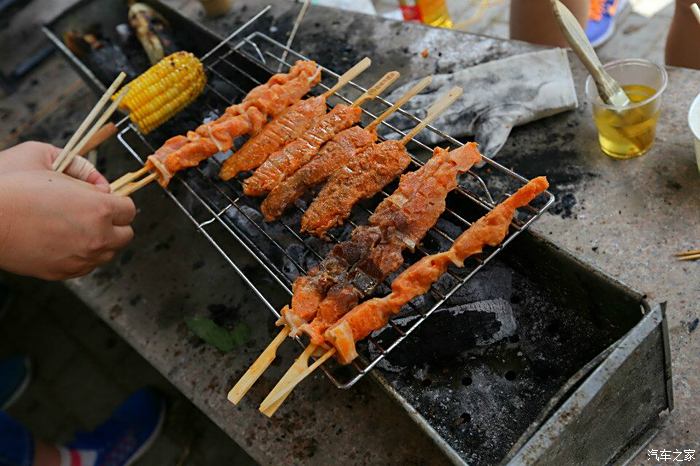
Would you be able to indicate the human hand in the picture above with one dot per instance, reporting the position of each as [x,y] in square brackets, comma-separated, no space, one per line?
[34,155]
[53,226]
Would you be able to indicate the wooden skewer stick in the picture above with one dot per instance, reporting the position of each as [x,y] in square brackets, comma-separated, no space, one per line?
[345,78]
[257,368]
[301,369]
[689,257]
[298,372]
[433,112]
[268,355]
[127,178]
[692,252]
[96,127]
[88,120]
[402,100]
[131,188]
[377,88]
[349,75]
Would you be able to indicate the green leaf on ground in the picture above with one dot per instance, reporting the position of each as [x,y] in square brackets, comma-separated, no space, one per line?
[217,336]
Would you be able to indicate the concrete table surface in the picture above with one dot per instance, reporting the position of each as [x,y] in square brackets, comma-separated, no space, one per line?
[625,217]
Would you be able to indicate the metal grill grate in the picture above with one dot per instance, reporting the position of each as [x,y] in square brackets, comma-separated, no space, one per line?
[208,201]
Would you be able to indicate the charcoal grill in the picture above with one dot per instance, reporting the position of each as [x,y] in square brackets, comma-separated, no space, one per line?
[600,408]
[225,204]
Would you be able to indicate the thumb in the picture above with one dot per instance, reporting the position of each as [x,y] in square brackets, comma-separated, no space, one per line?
[81,169]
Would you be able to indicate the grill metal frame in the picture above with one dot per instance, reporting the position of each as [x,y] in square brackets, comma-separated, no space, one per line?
[271,54]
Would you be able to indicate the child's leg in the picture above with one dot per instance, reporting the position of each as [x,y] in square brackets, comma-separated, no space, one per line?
[534,21]
[683,37]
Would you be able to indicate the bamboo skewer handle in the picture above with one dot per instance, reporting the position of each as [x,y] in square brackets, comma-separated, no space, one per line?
[377,88]
[422,84]
[257,368]
[88,120]
[294,375]
[102,134]
[101,121]
[131,188]
[349,75]
[127,178]
[434,111]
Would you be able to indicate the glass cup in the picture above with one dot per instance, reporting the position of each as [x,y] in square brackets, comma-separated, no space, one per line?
[627,132]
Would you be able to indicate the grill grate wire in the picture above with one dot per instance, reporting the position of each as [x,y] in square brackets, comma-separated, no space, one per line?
[219,198]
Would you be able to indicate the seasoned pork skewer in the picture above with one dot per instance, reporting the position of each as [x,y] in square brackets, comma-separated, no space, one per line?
[335,154]
[403,219]
[365,176]
[179,152]
[299,152]
[286,127]
[372,315]
[308,293]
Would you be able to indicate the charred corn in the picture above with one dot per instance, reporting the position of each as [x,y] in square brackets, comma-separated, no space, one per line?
[163,90]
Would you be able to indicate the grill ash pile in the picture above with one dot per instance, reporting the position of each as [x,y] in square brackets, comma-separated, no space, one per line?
[478,314]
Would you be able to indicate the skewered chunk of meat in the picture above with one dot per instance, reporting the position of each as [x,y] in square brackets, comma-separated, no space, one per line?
[309,290]
[336,153]
[374,314]
[286,127]
[266,100]
[362,178]
[404,218]
[294,155]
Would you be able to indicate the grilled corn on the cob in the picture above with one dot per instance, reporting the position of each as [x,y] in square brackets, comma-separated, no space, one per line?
[163,90]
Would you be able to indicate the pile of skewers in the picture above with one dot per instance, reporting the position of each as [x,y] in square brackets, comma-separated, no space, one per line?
[295,145]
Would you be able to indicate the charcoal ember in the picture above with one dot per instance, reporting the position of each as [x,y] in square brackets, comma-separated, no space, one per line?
[302,256]
[478,314]
[450,332]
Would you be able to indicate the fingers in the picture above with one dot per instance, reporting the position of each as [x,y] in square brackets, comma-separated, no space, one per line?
[81,169]
[120,237]
[123,210]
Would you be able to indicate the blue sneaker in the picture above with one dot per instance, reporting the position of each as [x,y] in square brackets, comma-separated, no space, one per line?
[601,20]
[128,433]
[15,373]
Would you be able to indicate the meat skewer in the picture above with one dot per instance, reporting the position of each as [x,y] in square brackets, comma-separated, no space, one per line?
[267,100]
[182,151]
[286,127]
[335,154]
[365,176]
[299,152]
[336,265]
[491,230]
[403,219]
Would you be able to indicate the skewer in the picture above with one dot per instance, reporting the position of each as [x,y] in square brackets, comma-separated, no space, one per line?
[268,355]
[419,86]
[298,372]
[691,252]
[130,179]
[88,120]
[96,127]
[300,369]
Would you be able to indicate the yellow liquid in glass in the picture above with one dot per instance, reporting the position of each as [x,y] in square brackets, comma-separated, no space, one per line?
[628,133]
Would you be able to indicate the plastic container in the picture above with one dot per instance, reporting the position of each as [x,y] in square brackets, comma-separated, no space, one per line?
[627,132]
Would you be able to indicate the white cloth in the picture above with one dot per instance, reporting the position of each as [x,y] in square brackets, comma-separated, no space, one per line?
[498,95]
